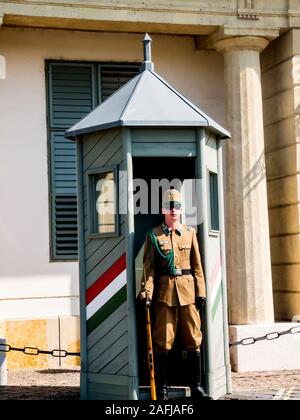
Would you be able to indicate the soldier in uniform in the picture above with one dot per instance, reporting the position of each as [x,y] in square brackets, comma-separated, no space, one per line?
[173,279]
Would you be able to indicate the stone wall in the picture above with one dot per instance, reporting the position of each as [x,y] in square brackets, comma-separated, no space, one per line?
[56,333]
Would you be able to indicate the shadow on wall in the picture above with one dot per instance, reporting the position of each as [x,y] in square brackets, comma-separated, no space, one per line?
[255,176]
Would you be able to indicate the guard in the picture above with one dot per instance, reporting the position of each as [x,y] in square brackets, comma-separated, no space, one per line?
[173,279]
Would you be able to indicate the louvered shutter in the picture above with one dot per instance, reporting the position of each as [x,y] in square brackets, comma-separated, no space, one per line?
[71,96]
[113,77]
[73,92]
[64,200]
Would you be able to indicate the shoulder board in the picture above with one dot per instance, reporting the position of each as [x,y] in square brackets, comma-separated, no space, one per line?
[189,228]
[156,230]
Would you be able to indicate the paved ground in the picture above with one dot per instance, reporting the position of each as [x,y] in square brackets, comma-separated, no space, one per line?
[281,385]
[42,385]
[64,385]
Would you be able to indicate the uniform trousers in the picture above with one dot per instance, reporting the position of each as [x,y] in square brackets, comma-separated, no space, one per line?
[166,322]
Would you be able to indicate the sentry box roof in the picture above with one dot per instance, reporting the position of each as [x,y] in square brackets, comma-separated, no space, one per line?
[147,100]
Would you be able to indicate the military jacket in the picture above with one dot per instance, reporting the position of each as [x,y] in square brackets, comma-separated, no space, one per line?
[169,289]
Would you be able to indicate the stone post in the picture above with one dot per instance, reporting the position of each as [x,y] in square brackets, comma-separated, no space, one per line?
[247,229]
[2,67]
[3,365]
[2,58]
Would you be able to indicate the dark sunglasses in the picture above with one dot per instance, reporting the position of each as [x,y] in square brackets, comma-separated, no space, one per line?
[172,205]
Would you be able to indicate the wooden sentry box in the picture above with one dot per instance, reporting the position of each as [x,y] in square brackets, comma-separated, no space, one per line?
[147,129]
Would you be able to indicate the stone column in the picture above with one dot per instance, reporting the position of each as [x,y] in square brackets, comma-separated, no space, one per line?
[247,229]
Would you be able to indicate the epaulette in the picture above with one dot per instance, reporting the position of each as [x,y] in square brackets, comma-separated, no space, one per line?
[155,230]
[189,228]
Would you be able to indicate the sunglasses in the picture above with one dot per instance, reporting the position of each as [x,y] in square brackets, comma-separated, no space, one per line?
[172,205]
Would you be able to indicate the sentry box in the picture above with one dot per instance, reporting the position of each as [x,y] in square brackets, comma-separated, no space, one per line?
[144,135]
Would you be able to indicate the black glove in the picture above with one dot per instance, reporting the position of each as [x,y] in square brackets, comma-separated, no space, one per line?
[200,303]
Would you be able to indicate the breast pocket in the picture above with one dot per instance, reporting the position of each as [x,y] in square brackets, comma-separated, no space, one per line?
[185,250]
[165,249]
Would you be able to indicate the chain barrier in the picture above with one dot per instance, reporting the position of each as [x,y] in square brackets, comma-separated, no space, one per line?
[34,351]
[270,336]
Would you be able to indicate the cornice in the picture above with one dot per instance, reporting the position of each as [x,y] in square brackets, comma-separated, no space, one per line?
[163,6]
[191,14]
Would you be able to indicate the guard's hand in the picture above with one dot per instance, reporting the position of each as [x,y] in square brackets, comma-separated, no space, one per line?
[146,302]
[200,303]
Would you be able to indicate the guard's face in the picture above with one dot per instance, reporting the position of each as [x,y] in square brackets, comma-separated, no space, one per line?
[172,211]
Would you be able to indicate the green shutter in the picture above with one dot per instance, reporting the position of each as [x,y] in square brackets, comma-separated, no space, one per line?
[64,160]
[73,91]
[113,77]
[64,202]
[72,94]
[71,97]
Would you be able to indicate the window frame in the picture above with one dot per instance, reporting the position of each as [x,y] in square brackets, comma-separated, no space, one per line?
[212,230]
[92,234]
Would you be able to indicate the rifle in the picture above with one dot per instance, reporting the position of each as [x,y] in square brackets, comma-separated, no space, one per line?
[150,354]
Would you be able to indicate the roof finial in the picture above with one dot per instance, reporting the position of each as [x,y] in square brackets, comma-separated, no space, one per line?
[147,63]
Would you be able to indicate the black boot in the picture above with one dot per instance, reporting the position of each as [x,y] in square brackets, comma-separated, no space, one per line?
[197,392]
[161,369]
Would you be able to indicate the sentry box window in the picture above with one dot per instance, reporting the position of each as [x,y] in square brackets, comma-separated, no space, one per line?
[214,202]
[103,217]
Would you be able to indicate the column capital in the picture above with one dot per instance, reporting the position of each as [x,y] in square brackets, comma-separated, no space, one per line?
[225,33]
[250,43]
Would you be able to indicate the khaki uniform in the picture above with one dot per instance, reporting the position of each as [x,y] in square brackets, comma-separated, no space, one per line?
[173,295]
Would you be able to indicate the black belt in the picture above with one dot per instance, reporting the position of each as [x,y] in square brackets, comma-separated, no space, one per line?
[182,272]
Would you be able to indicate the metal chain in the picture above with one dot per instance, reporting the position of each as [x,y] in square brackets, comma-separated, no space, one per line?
[270,336]
[34,351]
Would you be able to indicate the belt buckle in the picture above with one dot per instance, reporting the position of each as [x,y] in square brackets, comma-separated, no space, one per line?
[178,272]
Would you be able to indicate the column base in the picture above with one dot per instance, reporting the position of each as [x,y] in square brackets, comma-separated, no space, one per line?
[280,354]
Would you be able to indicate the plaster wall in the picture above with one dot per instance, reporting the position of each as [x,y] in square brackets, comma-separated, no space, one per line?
[30,284]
